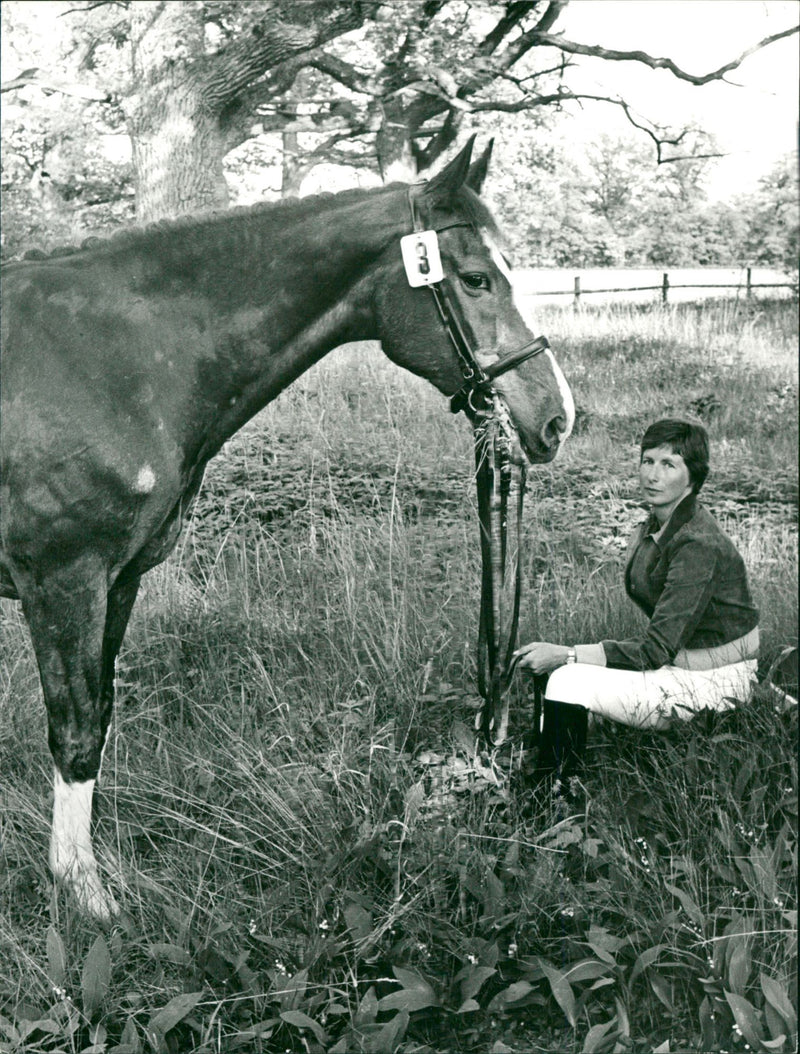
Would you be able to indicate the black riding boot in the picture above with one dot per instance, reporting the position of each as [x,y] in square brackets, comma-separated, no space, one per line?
[562,741]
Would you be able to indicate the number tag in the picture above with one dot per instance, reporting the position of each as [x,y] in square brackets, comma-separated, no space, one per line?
[421,258]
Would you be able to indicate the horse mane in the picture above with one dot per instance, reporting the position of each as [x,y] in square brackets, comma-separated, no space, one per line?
[467,201]
[477,212]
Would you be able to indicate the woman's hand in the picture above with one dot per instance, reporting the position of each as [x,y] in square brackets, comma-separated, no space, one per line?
[541,657]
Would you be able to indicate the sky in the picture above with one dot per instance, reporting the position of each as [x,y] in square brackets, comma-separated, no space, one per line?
[754,117]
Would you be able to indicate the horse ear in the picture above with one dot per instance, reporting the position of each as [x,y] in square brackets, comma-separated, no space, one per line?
[478,169]
[446,184]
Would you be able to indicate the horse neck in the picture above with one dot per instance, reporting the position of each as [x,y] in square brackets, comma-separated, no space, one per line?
[281,287]
[292,261]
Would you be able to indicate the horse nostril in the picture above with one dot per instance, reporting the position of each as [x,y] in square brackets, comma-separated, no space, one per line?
[553,430]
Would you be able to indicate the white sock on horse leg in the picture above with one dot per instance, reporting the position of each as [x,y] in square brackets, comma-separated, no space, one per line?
[72,858]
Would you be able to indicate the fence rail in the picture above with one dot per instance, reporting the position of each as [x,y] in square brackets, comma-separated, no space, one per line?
[664,287]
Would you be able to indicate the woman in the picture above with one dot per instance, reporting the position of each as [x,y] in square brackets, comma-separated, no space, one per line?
[700,646]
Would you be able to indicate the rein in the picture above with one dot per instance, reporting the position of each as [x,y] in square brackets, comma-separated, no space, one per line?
[497,634]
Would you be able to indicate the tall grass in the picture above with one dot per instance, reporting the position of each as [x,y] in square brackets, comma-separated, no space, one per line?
[310,849]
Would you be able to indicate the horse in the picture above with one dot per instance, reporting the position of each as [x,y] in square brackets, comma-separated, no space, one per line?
[128,362]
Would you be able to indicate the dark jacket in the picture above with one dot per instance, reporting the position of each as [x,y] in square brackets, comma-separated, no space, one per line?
[691,583]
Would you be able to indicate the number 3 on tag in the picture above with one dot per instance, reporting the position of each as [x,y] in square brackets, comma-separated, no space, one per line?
[421,258]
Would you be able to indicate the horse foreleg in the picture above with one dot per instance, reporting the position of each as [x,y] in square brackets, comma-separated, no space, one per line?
[77,628]
[72,858]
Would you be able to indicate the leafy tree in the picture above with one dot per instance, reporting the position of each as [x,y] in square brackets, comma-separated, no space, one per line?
[772,238]
[370,83]
[57,181]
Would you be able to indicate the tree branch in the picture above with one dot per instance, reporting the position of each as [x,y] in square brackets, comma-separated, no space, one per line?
[661,141]
[514,14]
[531,103]
[271,42]
[434,101]
[50,83]
[342,71]
[428,11]
[93,6]
[597,51]
[440,140]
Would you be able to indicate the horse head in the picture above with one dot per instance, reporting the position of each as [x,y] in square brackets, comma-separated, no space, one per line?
[484,300]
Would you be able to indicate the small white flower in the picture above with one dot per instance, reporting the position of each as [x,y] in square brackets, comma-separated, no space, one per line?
[324,925]
[472,958]
[251,927]
[512,949]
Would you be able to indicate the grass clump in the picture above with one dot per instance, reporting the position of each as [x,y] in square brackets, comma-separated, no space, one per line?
[312,851]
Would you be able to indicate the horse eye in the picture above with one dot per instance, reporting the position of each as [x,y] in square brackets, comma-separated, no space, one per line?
[476,281]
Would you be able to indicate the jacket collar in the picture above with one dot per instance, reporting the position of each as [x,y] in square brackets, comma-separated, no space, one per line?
[681,514]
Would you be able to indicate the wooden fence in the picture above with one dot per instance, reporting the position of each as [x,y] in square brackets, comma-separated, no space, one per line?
[577,291]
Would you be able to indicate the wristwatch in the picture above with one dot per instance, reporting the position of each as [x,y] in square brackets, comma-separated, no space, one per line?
[571,656]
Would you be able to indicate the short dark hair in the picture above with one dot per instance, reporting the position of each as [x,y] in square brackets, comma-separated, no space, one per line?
[687,438]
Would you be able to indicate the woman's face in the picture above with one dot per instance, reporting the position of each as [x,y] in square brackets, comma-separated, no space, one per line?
[664,479]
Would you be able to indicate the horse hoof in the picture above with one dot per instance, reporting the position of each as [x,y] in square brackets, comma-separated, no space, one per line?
[93,900]
[101,906]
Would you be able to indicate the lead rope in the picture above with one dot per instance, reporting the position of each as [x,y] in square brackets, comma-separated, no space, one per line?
[494,473]
[497,636]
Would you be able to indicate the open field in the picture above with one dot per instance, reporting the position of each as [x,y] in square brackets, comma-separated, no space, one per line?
[310,853]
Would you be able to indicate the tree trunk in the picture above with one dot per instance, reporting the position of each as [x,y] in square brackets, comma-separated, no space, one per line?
[393,146]
[293,171]
[177,141]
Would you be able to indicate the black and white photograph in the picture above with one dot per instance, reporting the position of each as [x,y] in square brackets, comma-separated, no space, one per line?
[399,457]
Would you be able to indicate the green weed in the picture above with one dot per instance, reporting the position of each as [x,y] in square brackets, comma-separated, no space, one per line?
[311,849]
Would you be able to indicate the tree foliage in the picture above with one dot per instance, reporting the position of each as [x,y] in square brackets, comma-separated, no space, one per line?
[205,88]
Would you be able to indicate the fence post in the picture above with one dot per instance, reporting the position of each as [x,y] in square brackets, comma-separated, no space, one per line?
[577,289]
[664,288]
[749,291]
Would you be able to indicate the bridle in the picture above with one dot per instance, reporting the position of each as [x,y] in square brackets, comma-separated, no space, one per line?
[477,387]
[494,433]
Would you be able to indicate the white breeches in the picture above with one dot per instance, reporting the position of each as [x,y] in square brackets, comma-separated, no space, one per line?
[654,698]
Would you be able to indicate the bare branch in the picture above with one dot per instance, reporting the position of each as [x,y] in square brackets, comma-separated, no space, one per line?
[341,71]
[533,102]
[659,143]
[49,83]
[662,140]
[515,13]
[596,51]
[690,157]
[520,82]
[480,75]
[440,139]
[91,7]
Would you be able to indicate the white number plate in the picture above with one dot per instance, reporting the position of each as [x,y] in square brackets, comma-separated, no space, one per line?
[421,258]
